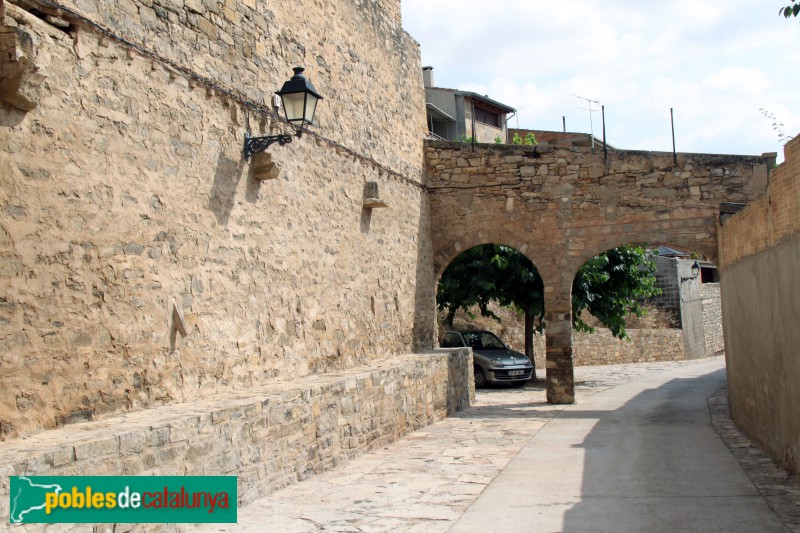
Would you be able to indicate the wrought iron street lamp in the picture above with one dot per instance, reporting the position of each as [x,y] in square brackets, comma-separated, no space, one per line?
[695,272]
[299,101]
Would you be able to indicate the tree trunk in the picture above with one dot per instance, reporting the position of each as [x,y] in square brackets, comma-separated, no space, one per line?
[451,314]
[529,317]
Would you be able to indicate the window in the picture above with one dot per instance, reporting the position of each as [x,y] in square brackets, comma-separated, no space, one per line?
[487,117]
[452,340]
[709,275]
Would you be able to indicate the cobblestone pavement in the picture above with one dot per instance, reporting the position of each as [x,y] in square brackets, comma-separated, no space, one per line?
[425,481]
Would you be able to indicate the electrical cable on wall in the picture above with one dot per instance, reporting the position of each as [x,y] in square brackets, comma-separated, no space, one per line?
[233,94]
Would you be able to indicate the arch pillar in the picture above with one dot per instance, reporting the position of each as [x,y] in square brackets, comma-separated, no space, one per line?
[558,332]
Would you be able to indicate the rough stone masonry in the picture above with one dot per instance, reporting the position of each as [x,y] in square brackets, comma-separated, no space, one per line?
[126,204]
[562,206]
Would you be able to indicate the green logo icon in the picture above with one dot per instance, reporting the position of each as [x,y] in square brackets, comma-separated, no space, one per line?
[122,499]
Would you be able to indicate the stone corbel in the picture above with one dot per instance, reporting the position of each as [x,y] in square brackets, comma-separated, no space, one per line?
[262,167]
[21,79]
[371,198]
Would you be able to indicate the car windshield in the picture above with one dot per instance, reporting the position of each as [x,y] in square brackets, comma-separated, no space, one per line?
[483,340]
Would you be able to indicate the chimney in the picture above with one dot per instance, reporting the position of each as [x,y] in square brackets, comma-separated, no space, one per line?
[427,76]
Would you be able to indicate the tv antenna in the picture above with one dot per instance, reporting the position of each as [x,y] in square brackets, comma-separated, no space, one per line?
[590,110]
[518,109]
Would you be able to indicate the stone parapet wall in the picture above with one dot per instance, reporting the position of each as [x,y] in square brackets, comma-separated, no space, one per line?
[563,206]
[598,348]
[760,284]
[269,437]
[126,206]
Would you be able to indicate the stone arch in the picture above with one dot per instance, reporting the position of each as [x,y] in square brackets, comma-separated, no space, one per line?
[703,247]
[695,301]
[444,255]
[440,272]
[565,205]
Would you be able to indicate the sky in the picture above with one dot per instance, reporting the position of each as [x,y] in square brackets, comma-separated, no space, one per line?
[718,64]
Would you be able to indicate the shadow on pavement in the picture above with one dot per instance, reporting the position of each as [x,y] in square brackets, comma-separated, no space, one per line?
[656,464]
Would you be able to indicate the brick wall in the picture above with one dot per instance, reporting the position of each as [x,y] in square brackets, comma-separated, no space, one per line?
[766,223]
[124,194]
[760,284]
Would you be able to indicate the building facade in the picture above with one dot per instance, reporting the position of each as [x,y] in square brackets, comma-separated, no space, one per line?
[454,115]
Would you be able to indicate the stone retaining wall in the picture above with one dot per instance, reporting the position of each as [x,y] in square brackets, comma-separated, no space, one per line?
[598,348]
[270,437]
[645,345]
[602,348]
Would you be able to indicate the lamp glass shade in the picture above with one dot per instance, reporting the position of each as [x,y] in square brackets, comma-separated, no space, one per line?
[294,107]
[311,107]
[299,98]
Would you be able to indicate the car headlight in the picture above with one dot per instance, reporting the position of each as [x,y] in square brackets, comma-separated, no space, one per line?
[498,364]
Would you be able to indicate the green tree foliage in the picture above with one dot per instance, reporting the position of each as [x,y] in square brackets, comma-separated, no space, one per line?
[792,10]
[610,286]
[494,272]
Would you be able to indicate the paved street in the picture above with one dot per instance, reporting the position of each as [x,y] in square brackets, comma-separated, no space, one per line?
[637,453]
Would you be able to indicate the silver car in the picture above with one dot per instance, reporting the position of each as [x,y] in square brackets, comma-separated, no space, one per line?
[494,361]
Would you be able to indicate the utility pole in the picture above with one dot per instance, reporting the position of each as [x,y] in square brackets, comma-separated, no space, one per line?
[605,146]
[672,123]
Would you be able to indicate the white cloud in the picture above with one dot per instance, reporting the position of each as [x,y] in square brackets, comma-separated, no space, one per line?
[715,63]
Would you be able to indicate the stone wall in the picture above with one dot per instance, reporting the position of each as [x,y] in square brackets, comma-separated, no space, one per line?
[269,437]
[712,319]
[599,348]
[760,283]
[126,204]
[562,206]
[668,281]
[691,314]
[602,348]
[645,345]
[697,305]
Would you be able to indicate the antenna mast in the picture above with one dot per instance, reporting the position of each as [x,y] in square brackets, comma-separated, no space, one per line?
[590,110]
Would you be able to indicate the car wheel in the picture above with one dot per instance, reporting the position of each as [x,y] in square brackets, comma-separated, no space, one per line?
[480,377]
